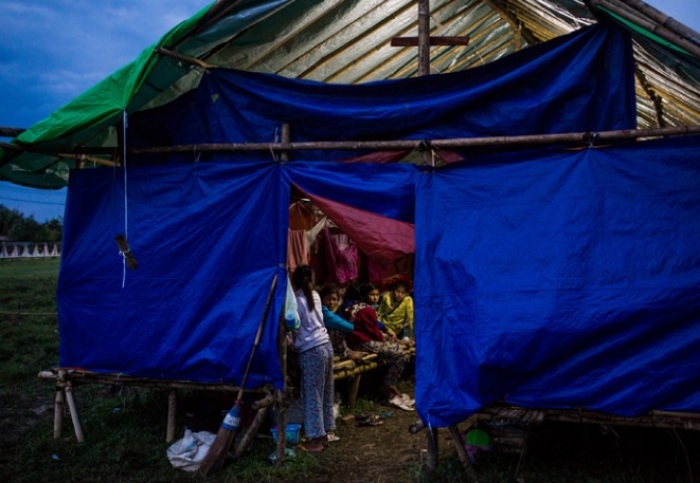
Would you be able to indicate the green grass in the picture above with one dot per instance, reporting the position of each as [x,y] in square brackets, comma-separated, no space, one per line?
[22,268]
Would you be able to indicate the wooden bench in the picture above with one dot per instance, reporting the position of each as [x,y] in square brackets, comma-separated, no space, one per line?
[506,412]
[351,370]
[66,379]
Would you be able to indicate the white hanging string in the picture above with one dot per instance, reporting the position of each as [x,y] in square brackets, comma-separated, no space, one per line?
[277,140]
[126,204]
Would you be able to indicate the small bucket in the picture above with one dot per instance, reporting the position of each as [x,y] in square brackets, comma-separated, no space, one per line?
[293,431]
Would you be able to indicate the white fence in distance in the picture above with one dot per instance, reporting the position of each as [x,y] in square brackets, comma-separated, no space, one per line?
[30,250]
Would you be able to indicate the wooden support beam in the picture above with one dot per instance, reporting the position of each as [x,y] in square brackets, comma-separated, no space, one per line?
[58,413]
[628,13]
[423,37]
[432,442]
[462,454]
[286,138]
[79,436]
[184,58]
[414,144]
[436,40]
[172,409]
[10,132]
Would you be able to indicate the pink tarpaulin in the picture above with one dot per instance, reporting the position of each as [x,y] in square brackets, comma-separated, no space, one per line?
[380,238]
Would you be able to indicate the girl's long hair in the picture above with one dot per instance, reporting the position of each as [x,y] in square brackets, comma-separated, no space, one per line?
[303,278]
[365,289]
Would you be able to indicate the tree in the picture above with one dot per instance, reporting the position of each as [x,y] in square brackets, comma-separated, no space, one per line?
[16,227]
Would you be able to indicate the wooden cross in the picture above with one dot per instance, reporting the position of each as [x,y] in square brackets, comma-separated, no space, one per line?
[424,40]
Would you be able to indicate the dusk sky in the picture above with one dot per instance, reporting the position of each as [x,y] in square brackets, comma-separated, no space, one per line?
[53,50]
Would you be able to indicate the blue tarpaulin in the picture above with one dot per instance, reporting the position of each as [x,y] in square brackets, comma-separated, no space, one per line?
[560,280]
[208,240]
[549,278]
[579,82]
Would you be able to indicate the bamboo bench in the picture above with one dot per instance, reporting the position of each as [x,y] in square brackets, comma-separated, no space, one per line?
[66,379]
[351,370]
[506,412]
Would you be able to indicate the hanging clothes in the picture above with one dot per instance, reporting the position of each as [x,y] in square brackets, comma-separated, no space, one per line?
[342,257]
[297,249]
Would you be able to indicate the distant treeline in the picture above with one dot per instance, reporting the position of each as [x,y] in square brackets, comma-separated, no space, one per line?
[14,226]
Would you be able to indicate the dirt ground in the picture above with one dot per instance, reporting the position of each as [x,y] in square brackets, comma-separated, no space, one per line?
[385,453]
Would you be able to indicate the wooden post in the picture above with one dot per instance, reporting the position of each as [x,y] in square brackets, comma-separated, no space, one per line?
[280,403]
[74,413]
[432,440]
[172,407]
[286,139]
[352,391]
[462,454]
[58,412]
[423,37]
[250,433]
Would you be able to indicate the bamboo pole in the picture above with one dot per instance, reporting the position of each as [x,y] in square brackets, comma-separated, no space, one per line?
[184,58]
[423,37]
[410,144]
[462,454]
[250,433]
[432,442]
[286,138]
[74,413]
[172,408]
[631,15]
[263,403]
[354,387]
[281,450]
[58,413]
[10,132]
[85,377]
[668,22]
[280,398]
[78,157]
[585,137]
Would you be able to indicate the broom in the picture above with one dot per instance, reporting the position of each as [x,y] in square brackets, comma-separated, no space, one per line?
[230,427]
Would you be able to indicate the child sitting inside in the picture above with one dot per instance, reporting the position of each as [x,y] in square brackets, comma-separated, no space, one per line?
[337,326]
[367,337]
[396,311]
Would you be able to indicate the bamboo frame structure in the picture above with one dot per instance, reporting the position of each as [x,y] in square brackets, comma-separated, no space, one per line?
[587,138]
[643,16]
[67,379]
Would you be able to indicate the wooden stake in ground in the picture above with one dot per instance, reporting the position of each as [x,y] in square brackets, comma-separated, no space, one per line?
[230,427]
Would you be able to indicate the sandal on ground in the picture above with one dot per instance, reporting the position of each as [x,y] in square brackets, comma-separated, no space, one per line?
[397,401]
[332,438]
[372,420]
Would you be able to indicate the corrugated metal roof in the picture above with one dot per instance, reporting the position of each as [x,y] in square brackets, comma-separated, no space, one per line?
[350,42]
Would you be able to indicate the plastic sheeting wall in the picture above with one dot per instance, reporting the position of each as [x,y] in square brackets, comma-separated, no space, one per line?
[568,279]
[208,240]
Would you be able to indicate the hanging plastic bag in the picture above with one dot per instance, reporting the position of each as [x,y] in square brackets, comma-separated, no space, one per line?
[188,452]
[291,313]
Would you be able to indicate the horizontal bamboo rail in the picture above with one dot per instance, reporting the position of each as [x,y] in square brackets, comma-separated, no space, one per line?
[79,377]
[656,419]
[588,137]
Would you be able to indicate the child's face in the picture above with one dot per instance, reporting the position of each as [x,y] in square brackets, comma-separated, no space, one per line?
[331,301]
[373,297]
[399,294]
